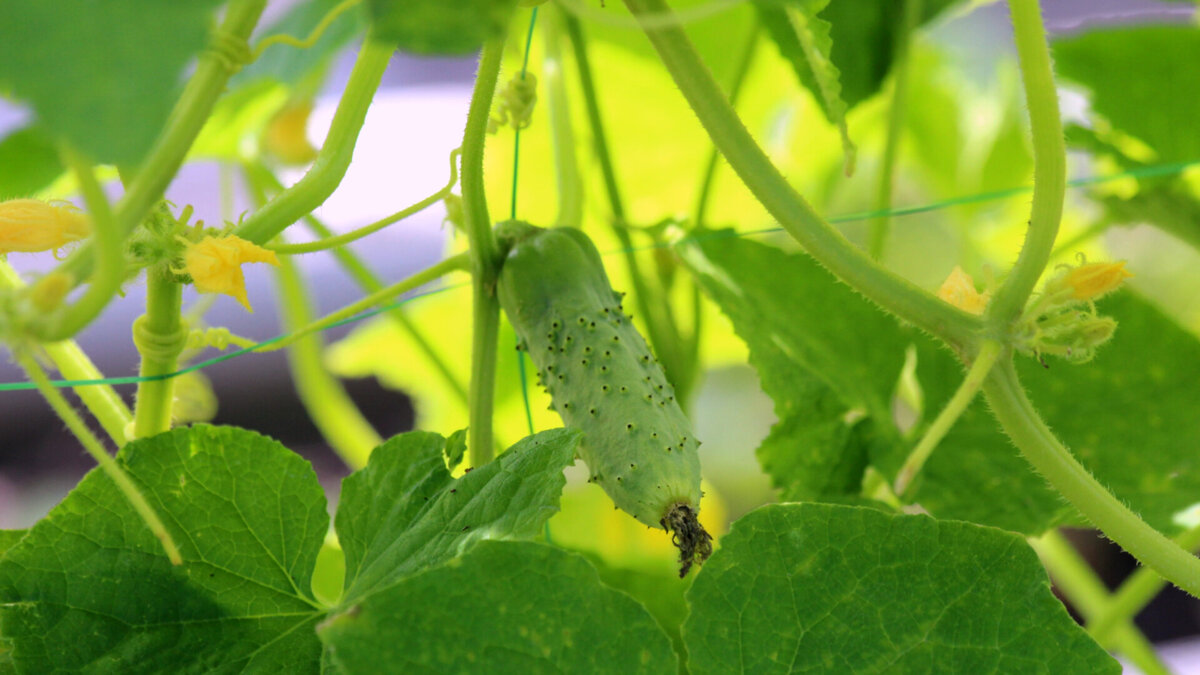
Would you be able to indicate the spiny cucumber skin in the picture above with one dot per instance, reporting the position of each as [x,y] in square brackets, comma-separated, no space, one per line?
[638,444]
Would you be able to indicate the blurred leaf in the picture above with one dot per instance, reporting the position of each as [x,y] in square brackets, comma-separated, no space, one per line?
[820,588]
[285,64]
[1169,206]
[503,607]
[1137,393]
[89,587]
[439,26]
[826,356]
[28,162]
[404,513]
[804,40]
[238,118]
[103,75]
[862,34]
[1141,80]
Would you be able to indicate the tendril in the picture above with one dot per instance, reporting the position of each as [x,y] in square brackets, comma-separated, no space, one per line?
[515,106]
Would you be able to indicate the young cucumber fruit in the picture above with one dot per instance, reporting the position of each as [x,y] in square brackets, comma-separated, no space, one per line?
[638,445]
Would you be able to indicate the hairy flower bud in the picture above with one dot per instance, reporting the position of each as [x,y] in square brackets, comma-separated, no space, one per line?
[32,225]
[1090,281]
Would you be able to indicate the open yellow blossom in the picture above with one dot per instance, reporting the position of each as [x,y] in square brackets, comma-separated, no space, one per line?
[1090,281]
[214,264]
[959,290]
[32,225]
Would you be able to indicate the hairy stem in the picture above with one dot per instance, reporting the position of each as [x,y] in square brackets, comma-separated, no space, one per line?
[160,337]
[877,240]
[101,400]
[820,239]
[1088,594]
[485,258]
[259,176]
[1134,594]
[107,464]
[334,157]
[1054,461]
[1049,163]
[337,417]
[955,407]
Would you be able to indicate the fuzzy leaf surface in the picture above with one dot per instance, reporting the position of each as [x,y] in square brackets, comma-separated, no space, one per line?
[505,607]
[840,589]
[89,588]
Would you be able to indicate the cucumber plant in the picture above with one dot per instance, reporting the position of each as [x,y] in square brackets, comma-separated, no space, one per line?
[916,527]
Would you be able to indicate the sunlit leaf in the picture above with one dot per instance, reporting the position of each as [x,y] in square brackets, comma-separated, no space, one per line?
[836,589]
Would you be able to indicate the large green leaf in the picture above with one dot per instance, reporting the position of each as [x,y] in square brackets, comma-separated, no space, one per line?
[504,607]
[9,538]
[440,26]
[103,75]
[28,162]
[837,589]
[1128,416]
[1142,80]
[828,358]
[88,588]
[400,514]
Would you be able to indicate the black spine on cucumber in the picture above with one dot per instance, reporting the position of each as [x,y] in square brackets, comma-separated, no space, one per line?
[638,445]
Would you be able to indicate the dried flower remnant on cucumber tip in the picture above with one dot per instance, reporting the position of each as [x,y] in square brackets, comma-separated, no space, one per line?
[33,225]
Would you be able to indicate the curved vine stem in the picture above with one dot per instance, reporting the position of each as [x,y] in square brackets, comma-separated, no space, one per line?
[336,152]
[817,236]
[1054,461]
[485,258]
[1049,164]
[955,407]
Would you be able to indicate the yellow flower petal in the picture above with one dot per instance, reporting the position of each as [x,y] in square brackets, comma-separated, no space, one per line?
[32,225]
[1092,280]
[215,265]
[959,290]
[286,136]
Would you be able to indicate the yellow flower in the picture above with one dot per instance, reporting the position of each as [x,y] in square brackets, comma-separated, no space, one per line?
[959,290]
[32,225]
[1092,280]
[215,265]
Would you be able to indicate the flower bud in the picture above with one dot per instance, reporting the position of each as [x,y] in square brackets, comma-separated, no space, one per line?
[48,293]
[32,225]
[1089,281]
[286,135]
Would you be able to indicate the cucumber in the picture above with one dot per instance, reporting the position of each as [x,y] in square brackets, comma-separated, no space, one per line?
[638,445]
